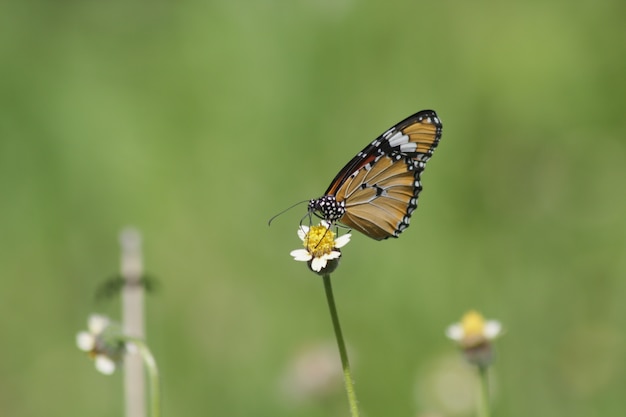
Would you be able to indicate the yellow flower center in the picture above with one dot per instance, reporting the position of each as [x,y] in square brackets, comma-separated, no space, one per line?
[319,241]
[473,324]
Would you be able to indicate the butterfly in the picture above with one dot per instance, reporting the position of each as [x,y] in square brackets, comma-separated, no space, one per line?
[377,191]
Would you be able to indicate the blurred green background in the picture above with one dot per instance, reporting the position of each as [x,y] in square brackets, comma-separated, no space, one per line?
[197,121]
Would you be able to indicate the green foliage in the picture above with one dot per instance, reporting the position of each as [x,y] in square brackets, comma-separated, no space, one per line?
[197,121]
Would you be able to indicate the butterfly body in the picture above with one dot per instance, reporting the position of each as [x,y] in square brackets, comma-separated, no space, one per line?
[377,191]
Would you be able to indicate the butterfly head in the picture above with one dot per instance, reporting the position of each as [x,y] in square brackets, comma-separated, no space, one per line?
[328,208]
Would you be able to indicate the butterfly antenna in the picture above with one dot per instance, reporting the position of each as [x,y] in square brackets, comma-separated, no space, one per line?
[269,223]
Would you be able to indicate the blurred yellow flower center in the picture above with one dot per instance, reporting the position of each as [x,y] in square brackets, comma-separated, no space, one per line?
[319,241]
[473,324]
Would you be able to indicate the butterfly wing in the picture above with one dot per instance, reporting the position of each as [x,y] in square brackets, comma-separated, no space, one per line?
[380,200]
[381,184]
[416,136]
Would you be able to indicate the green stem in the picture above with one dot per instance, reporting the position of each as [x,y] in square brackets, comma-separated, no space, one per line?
[484,392]
[347,375]
[153,373]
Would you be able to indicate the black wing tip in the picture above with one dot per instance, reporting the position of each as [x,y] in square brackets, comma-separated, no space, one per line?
[423,114]
[418,117]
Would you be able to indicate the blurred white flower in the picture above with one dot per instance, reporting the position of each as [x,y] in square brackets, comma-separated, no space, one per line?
[474,334]
[473,329]
[313,374]
[97,341]
[445,386]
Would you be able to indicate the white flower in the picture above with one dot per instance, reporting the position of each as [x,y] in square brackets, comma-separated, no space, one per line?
[95,341]
[474,335]
[314,373]
[320,246]
[474,329]
[96,325]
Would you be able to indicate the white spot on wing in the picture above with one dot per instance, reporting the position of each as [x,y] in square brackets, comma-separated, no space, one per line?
[408,147]
[398,139]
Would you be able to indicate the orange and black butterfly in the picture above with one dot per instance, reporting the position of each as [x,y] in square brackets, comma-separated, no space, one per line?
[377,191]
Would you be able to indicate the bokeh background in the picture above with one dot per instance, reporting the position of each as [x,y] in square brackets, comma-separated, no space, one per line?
[196,121]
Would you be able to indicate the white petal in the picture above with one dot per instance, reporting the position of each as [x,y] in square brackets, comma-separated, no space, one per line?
[492,329]
[97,323]
[332,255]
[318,264]
[325,224]
[105,365]
[301,255]
[302,231]
[85,341]
[342,241]
[455,332]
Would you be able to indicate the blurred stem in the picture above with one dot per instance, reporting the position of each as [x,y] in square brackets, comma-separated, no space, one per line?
[153,373]
[484,392]
[131,269]
[347,375]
